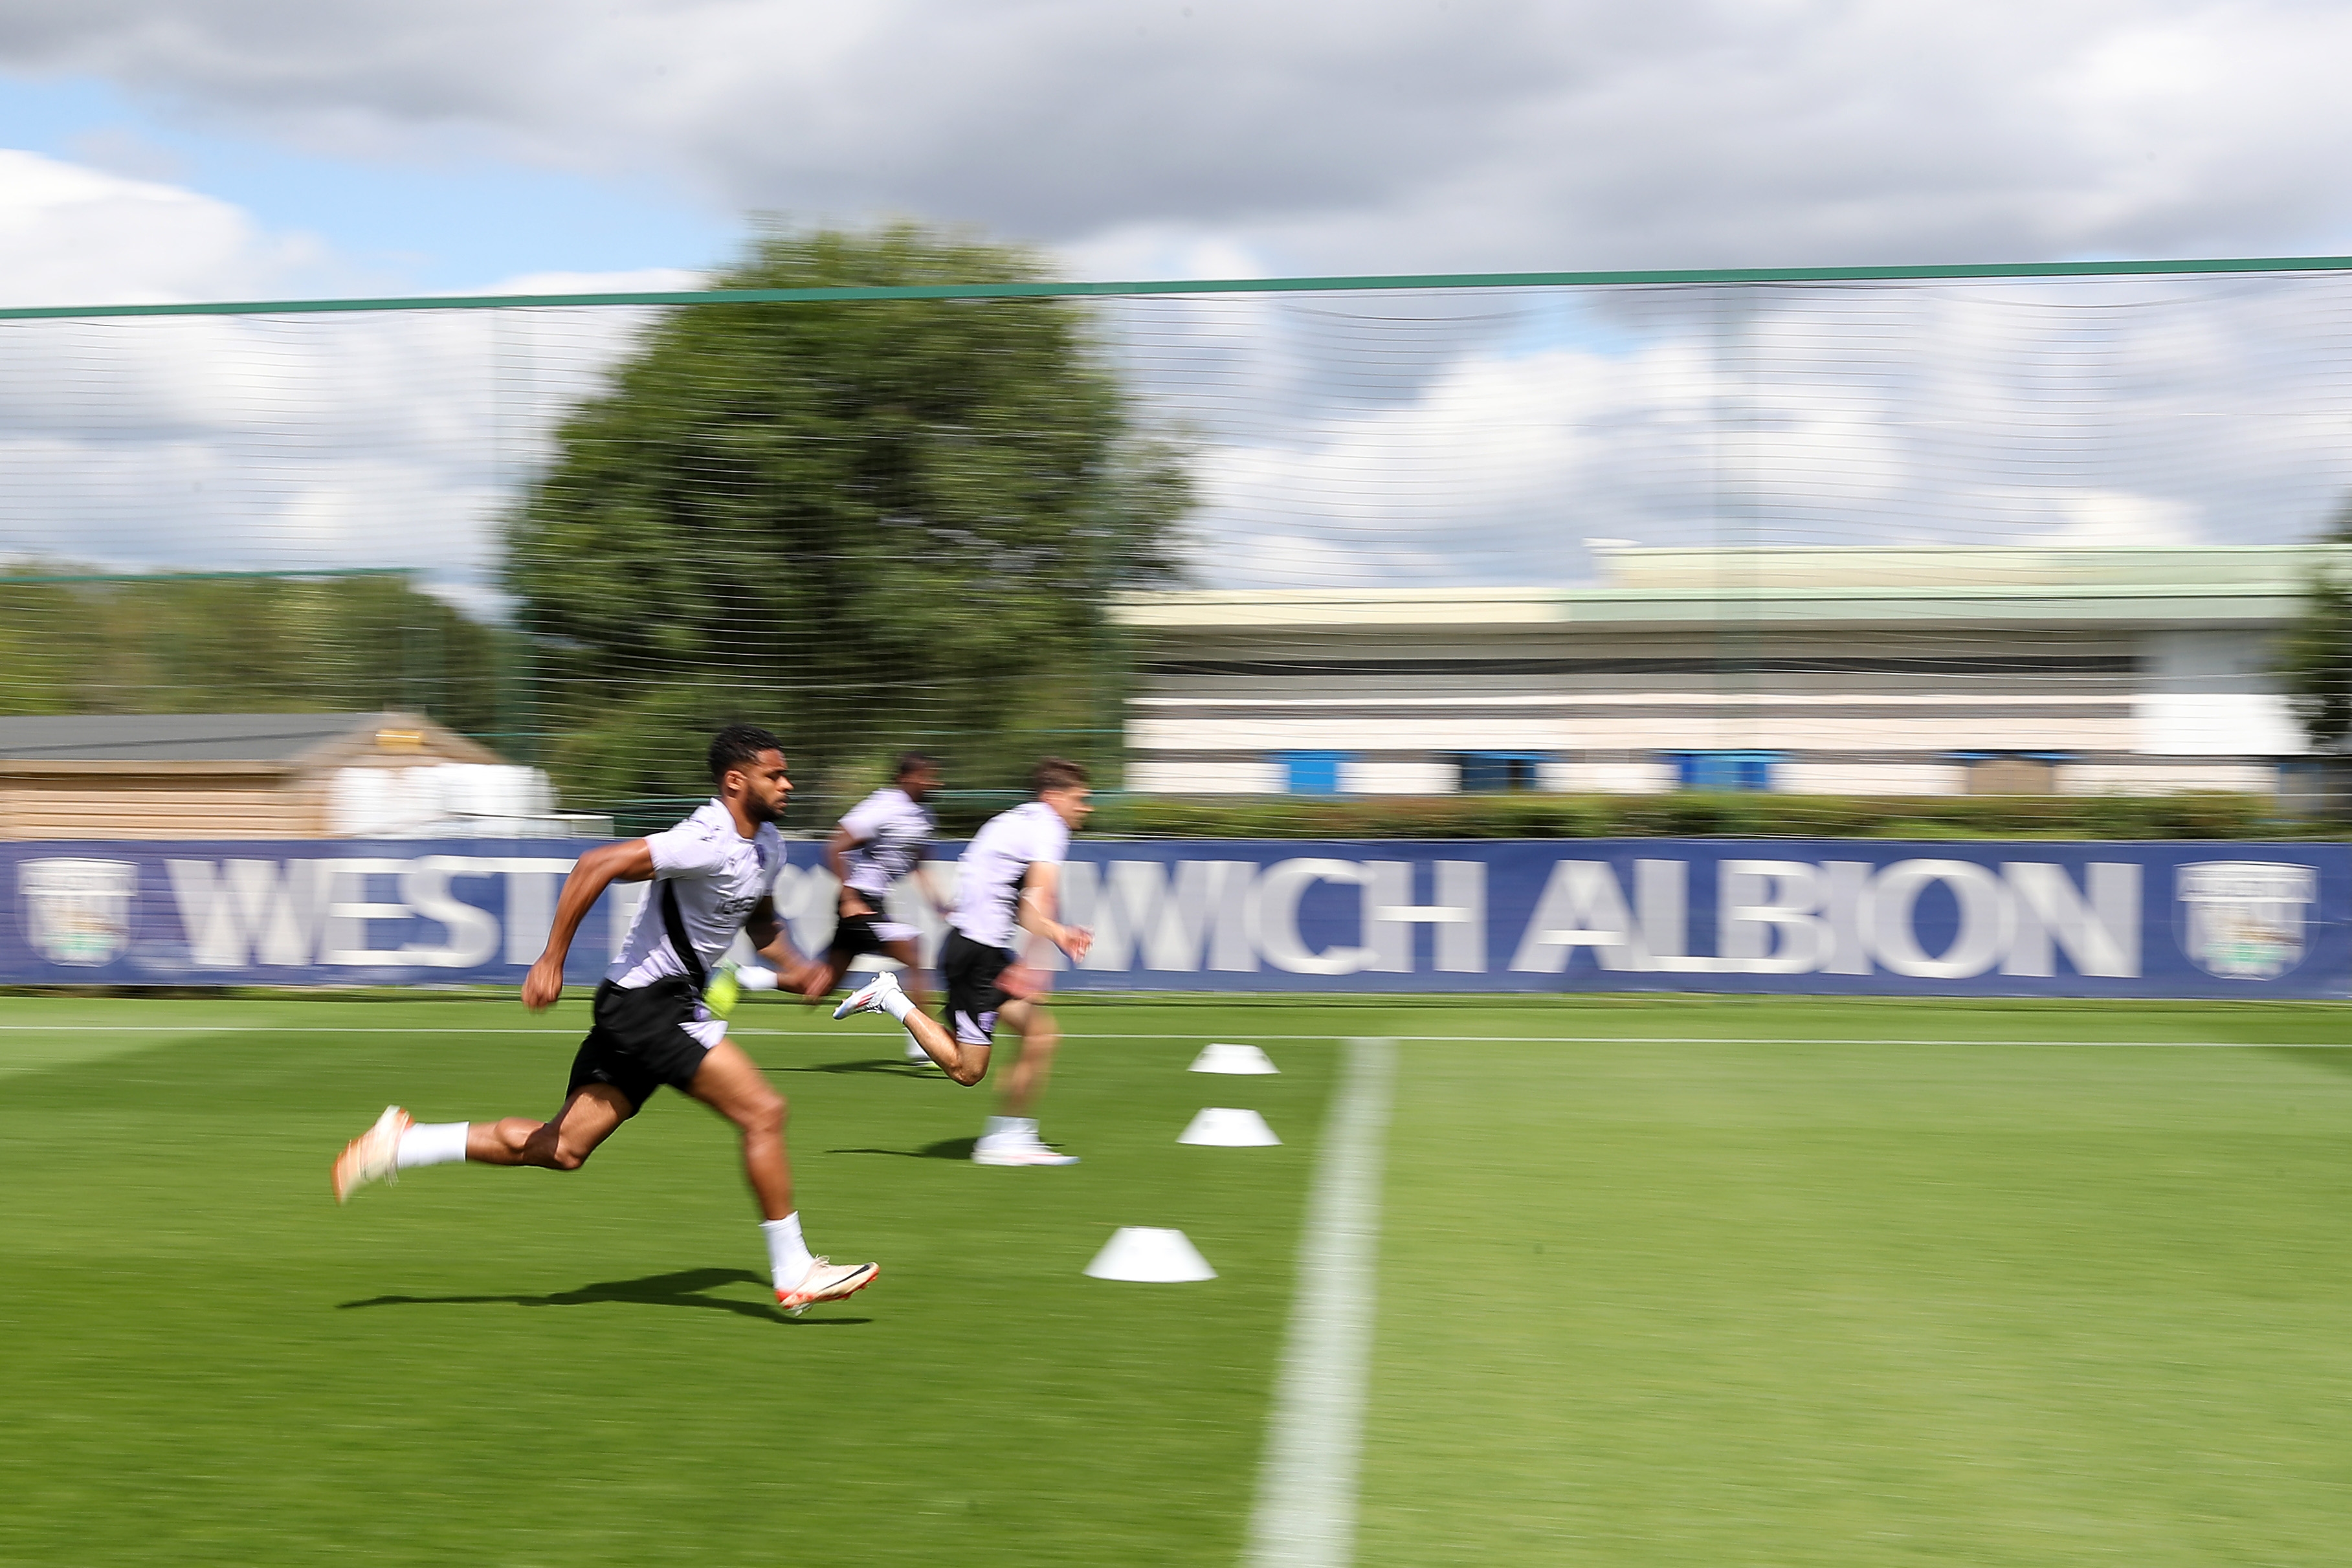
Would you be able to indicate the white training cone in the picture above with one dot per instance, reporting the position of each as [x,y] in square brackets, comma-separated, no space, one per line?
[1221,1126]
[1149,1257]
[1233,1059]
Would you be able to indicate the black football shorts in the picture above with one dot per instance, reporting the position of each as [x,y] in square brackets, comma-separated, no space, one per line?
[638,1041]
[970,969]
[864,935]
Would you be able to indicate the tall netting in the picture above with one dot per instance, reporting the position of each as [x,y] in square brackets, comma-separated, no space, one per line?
[1329,540]
[1484,435]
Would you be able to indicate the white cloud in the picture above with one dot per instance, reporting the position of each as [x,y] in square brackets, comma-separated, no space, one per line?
[1391,135]
[286,441]
[75,235]
[2095,412]
[2087,518]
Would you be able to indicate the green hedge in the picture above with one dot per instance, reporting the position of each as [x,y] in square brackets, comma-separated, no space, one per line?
[2204,814]
[2198,815]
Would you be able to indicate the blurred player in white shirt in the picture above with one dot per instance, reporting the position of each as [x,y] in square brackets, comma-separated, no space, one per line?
[884,840]
[994,973]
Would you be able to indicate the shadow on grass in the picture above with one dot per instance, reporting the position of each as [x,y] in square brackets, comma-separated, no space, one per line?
[888,1066]
[945,1149]
[683,1289]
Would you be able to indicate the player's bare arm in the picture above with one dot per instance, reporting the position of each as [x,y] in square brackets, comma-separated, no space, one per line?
[773,941]
[815,980]
[1039,903]
[836,861]
[631,860]
[929,883]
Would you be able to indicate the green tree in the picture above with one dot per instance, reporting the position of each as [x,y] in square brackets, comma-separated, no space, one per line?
[2316,663]
[72,641]
[867,524]
[2315,658]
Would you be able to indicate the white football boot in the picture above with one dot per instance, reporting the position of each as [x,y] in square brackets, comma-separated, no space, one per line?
[826,1281]
[868,997]
[372,1155]
[1017,1146]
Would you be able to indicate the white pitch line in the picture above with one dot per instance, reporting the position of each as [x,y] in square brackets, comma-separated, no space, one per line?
[1305,1512]
[1785,1040]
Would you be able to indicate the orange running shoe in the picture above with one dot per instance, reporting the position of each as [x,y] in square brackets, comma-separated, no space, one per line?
[370,1157]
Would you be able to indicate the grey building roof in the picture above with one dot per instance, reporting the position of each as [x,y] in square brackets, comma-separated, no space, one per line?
[2216,586]
[176,737]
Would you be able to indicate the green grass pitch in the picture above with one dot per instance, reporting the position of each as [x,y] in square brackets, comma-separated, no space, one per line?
[1661,1282]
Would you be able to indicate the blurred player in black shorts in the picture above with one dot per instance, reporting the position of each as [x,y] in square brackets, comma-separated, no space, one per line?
[883,841]
[711,877]
[1008,900]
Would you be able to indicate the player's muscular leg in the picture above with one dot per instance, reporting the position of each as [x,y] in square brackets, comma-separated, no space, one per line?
[731,1083]
[564,1144]
[971,1063]
[1039,1038]
[966,1064]
[820,979]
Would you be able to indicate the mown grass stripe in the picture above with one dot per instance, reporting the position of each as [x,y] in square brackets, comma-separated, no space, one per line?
[1305,1512]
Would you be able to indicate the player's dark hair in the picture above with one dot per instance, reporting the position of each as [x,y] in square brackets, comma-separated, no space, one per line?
[1056,773]
[911,762]
[738,746]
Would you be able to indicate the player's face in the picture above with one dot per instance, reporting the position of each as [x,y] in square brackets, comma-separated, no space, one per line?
[919,784]
[1073,805]
[766,786]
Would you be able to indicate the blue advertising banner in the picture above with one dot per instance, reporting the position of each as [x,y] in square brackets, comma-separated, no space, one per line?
[1825,916]
[303,912]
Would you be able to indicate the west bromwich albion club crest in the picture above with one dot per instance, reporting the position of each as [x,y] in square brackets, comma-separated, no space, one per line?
[77,912]
[2244,920]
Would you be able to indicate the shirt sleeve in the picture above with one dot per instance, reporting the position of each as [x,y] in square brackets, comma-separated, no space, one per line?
[686,850]
[1050,840]
[864,820]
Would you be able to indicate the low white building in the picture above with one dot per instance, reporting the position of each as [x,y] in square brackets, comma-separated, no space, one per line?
[1846,671]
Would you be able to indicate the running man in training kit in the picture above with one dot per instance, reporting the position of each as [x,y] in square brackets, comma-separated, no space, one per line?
[884,840]
[1011,883]
[712,875]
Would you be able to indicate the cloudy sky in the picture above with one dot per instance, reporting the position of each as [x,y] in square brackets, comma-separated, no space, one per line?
[210,149]
[454,143]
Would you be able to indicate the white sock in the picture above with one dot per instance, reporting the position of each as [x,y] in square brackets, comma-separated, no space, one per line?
[998,1126]
[788,1255]
[434,1143]
[897,1003]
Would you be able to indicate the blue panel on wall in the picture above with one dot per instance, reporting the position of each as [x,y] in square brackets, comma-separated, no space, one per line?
[1724,770]
[1311,772]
